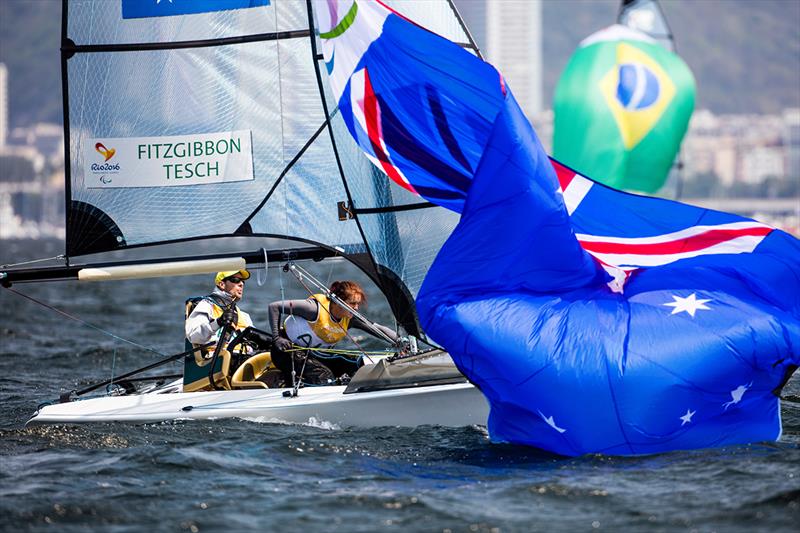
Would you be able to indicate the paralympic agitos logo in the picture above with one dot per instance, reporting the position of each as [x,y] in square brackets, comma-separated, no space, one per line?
[105,167]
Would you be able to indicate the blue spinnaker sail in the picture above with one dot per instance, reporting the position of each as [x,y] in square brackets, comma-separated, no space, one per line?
[593,320]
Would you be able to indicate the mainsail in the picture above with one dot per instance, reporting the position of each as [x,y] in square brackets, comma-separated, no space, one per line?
[193,119]
[591,319]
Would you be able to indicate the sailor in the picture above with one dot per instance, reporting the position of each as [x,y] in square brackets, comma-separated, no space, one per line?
[317,322]
[205,322]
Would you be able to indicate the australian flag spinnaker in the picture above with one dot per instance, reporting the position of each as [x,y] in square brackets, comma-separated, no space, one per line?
[593,320]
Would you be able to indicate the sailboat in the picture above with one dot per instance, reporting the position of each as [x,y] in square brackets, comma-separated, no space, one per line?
[193,120]
[593,320]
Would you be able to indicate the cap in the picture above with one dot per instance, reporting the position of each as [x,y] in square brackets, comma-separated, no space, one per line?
[244,274]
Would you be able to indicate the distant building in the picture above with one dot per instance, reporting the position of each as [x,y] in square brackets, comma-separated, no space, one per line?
[47,139]
[22,164]
[760,163]
[3,105]
[791,142]
[509,35]
[726,159]
[743,148]
[514,46]
[473,12]
[706,149]
[542,123]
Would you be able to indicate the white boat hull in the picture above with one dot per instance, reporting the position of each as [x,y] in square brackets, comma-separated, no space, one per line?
[447,405]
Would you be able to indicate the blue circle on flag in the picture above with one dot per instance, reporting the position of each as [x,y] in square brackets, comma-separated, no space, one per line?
[638,86]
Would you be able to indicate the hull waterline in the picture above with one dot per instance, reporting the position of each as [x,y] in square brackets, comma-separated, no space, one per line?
[452,405]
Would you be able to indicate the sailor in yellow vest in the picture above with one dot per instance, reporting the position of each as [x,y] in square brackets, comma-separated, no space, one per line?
[205,323]
[317,322]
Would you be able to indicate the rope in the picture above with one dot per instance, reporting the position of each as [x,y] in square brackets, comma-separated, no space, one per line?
[295,385]
[337,351]
[113,365]
[62,256]
[260,281]
[81,321]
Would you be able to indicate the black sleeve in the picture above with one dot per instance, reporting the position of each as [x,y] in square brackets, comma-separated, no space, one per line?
[306,309]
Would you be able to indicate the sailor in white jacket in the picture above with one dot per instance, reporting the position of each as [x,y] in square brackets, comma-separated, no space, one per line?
[205,322]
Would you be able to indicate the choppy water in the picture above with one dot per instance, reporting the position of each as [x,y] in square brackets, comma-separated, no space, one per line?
[237,475]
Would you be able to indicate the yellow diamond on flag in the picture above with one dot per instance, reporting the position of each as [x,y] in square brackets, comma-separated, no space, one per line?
[637,91]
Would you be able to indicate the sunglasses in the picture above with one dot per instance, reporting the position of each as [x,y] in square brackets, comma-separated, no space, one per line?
[235,281]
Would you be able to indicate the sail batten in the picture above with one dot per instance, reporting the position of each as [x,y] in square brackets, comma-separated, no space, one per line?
[71,47]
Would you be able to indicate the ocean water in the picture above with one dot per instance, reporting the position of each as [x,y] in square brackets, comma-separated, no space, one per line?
[236,475]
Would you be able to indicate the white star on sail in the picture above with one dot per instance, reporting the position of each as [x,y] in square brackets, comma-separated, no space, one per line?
[736,395]
[687,417]
[551,422]
[690,304]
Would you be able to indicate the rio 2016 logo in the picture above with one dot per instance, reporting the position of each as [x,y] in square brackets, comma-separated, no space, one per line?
[105,167]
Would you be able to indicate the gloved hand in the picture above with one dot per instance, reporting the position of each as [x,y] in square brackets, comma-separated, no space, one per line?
[281,343]
[227,317]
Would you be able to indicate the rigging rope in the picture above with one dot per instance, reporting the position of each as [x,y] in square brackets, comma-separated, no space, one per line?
[62,256]
[84,322]
[295,385]
[266,269]
[113,365]
[339,351]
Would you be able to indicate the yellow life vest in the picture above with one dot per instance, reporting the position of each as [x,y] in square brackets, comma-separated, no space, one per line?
[325,326]
[325,331]
[216,312]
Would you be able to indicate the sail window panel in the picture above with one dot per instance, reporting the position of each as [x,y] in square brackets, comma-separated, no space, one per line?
[173,93]
[304,203]
[406,242]
[435,15]
[298,97]
[100,22]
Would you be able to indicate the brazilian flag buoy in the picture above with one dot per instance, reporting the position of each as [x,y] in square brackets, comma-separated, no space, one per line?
[621,108]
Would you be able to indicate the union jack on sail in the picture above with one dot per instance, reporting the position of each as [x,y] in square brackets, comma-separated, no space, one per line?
[655,244]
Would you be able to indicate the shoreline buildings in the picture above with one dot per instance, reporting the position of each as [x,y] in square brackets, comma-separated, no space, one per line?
[31,176]
[746,163]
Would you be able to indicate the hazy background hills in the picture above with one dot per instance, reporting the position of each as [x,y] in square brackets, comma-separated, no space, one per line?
[744,54]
